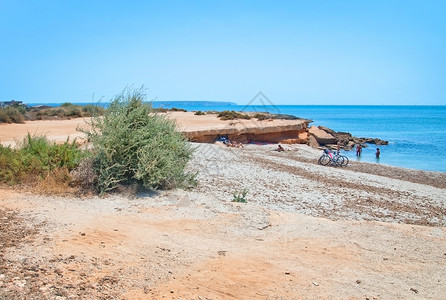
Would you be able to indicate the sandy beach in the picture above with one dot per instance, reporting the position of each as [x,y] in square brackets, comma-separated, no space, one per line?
[366,231]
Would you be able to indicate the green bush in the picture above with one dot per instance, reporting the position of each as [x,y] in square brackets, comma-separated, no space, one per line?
[67,104]
[178,109]
[135,145]
[67,110]
[11,114]
[261,117]
[36,158]
[199,113]
[232,115]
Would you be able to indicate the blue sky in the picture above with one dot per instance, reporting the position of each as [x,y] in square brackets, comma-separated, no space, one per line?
[295,52]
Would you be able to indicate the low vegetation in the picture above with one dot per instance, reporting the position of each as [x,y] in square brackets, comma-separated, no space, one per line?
[12,114]
[240,196]
[232,115]
[20,113]
[38,162]
[65,111]
[163,110]
[262,117]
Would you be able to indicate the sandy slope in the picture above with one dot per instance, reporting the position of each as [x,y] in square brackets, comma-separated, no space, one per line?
[307,232]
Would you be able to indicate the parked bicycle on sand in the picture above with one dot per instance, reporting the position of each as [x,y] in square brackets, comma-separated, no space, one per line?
[333,159]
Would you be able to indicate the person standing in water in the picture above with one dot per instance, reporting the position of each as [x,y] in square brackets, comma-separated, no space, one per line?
[377,153]
[358,150]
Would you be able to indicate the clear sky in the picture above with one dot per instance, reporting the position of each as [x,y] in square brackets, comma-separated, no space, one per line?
[295,52]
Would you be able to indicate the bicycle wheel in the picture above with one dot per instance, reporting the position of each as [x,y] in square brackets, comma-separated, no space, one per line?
[324,160]
[344,161]
[336,161]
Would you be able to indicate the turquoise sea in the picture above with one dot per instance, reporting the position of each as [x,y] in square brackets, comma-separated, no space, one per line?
[416,134]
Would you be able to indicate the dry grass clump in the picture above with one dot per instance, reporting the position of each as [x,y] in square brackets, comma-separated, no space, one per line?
[56,182]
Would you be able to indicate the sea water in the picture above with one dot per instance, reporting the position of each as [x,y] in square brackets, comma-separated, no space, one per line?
[416,134]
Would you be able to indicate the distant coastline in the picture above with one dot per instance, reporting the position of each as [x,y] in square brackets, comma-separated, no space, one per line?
[166,104]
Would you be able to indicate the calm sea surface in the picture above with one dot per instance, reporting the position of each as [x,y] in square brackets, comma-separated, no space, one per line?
[416,134]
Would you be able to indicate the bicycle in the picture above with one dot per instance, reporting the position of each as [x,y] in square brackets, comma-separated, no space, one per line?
[334,160]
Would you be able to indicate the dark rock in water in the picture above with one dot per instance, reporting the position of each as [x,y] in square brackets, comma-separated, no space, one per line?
[328,137]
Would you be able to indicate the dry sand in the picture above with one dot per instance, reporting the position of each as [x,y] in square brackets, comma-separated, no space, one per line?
[55,130]
[60,130]
[307,232]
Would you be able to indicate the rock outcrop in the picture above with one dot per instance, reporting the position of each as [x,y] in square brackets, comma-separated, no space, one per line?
[321,136]
[284,129]
[287,134]
[346,140]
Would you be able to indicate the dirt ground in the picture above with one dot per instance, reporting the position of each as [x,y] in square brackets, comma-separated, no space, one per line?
[307,231]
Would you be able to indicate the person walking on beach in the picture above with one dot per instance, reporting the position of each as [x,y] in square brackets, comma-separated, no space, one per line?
[377,153]
[358,150]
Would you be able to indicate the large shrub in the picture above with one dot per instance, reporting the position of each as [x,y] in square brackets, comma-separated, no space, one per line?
[133,144]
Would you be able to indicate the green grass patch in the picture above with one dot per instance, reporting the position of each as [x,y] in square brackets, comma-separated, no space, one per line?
[36,158]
